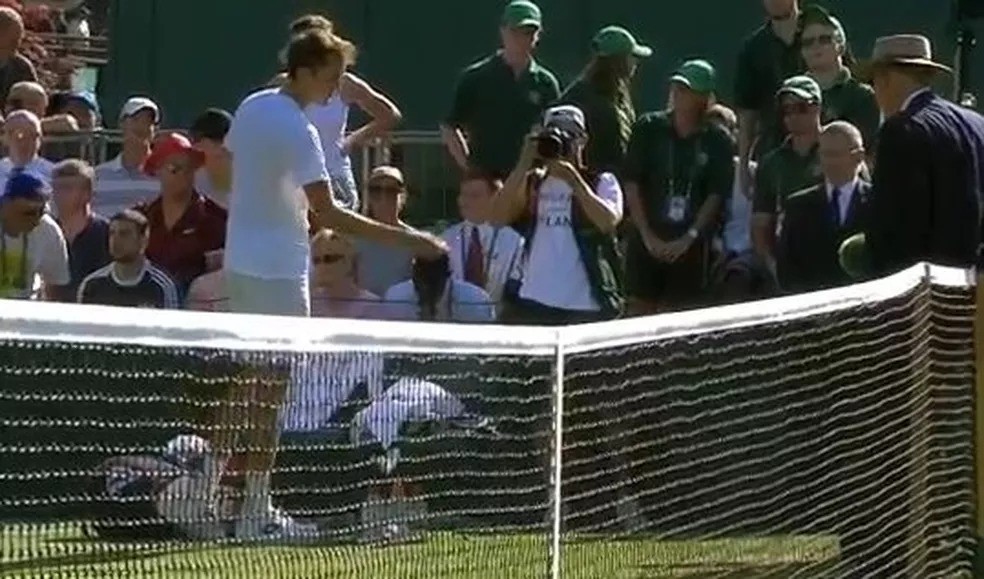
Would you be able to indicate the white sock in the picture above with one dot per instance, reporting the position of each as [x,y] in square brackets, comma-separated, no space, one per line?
[257,499]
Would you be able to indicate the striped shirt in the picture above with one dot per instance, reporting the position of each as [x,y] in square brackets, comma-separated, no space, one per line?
[151,289]
[118,189]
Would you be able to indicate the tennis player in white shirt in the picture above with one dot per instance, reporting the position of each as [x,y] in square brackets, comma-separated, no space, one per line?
[278,175]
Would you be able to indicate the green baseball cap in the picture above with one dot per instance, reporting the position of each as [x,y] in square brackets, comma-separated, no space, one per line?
[617,41]
[697,75]
[801,87]
[814,14]
[522,13]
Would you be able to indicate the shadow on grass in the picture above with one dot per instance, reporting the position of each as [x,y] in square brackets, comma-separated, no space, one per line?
[737,570]
[127,555]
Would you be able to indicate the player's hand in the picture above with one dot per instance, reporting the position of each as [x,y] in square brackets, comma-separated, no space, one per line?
[428,246]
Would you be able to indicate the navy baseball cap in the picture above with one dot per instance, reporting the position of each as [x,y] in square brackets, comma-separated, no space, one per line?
[24,185]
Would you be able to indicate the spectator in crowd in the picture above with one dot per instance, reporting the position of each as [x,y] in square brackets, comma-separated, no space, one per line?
[432,295]
[83,110]
[31,96]
[33,255]
[499,98]
[208,132]
[22,135]
[14,66]
[130,279]
[604,93]
[826,53]
[926,200]
[331,119]
[380,266]
[678,173]
[818,219]
[184,224]
[86,232]
[793,166]
[766,58]
[568,218]
[121,182]
[207,292]
[335,292]
[736,237]
[481,253]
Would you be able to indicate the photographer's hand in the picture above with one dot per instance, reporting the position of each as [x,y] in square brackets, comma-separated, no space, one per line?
[563,169]
[527,155]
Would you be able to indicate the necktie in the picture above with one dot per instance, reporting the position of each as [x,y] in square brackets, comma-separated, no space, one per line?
[474,266]
[835,195]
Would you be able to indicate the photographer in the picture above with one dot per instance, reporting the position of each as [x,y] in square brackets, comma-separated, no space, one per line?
[679,171]
[432,296]
[569,218]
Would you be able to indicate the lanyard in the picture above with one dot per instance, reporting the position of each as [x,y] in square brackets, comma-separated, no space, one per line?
[488,254]
[671,169]
[3,260]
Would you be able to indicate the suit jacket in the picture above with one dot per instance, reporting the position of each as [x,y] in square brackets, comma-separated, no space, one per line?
[928,182]
[807,252]
[503,249]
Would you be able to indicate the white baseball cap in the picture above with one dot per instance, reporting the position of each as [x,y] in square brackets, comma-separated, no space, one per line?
[134,105]
[566,117]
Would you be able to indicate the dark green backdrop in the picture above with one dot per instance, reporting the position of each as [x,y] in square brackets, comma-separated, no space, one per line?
[190,54]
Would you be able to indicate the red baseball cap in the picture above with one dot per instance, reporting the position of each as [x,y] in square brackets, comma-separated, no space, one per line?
[168,145]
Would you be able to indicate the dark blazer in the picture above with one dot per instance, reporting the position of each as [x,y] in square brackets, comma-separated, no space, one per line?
[928,182]
[807,252]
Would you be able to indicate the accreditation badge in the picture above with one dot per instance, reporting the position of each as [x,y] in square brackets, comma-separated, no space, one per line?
[676,209]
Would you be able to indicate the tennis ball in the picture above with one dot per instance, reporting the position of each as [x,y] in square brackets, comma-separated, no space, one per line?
[854,257]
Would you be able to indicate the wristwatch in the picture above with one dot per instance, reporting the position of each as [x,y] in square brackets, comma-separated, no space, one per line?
[692,233]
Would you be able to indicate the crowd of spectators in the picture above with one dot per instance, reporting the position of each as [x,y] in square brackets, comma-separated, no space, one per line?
[575,206]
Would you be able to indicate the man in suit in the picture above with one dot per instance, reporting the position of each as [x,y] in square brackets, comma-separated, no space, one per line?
[929,174]
[818,219]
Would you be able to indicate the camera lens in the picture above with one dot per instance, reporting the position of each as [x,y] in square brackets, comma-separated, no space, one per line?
[551,143]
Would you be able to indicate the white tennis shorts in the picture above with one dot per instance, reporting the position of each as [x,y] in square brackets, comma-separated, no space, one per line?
[274,297]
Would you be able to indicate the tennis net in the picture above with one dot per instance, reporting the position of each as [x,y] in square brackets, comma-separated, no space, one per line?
[816,435]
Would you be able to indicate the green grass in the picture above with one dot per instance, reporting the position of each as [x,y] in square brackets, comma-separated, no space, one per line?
[64,552]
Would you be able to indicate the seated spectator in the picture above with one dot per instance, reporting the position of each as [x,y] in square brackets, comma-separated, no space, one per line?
[679,173]
[31,96]
[22,136]
[184,224]
[120,182]
[820,218]
[381,266]
[481,253]
[431,295]
[736,238]
[130,280]
[334,291]
[86,232]
[569,219]
[207,292]
[208,133]
[33,256]
[84,110]
[827,56]
[16,67]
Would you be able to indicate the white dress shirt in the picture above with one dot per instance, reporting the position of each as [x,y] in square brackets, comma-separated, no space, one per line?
[844,201]
[502,250]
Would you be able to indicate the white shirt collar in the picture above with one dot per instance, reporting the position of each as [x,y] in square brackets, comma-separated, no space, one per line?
[913,96]
[847,189]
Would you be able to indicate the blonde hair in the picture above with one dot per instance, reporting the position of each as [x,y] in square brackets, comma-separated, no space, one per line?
[845,129]
[309,22]
[75,168]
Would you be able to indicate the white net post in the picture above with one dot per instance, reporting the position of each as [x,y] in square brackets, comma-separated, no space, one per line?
[557,464]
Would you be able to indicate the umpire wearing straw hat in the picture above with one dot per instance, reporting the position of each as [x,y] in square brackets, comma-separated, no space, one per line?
[929,167]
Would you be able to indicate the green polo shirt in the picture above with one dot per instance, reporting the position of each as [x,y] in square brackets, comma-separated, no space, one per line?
[764,61]
[609,125]
[496,109]
[664,165]
[782,172]
[849,99]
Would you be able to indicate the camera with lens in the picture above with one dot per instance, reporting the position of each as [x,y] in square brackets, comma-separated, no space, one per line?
[553,143]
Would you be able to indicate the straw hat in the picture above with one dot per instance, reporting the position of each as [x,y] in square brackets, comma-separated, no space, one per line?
[902,50]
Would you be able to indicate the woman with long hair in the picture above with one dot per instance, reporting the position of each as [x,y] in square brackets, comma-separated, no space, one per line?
[828,60]
[331,119]
[604,92]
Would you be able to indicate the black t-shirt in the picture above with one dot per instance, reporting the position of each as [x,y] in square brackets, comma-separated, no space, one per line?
[87,252]
[153,289]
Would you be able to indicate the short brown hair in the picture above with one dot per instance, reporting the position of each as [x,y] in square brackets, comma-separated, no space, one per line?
[310,22]
[75,168]
[475,174]
[317,48]
[725,116]
[138,219]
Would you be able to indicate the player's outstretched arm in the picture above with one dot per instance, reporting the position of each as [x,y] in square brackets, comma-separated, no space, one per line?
[333,217]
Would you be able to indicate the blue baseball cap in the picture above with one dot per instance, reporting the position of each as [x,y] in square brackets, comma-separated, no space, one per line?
[24,185]
[85,97]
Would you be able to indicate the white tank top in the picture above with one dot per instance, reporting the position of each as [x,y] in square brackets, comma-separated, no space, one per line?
[331,120]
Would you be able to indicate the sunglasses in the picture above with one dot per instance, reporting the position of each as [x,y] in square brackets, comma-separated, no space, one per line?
[327,259]
[822,40]
[795,109]
[379,189]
